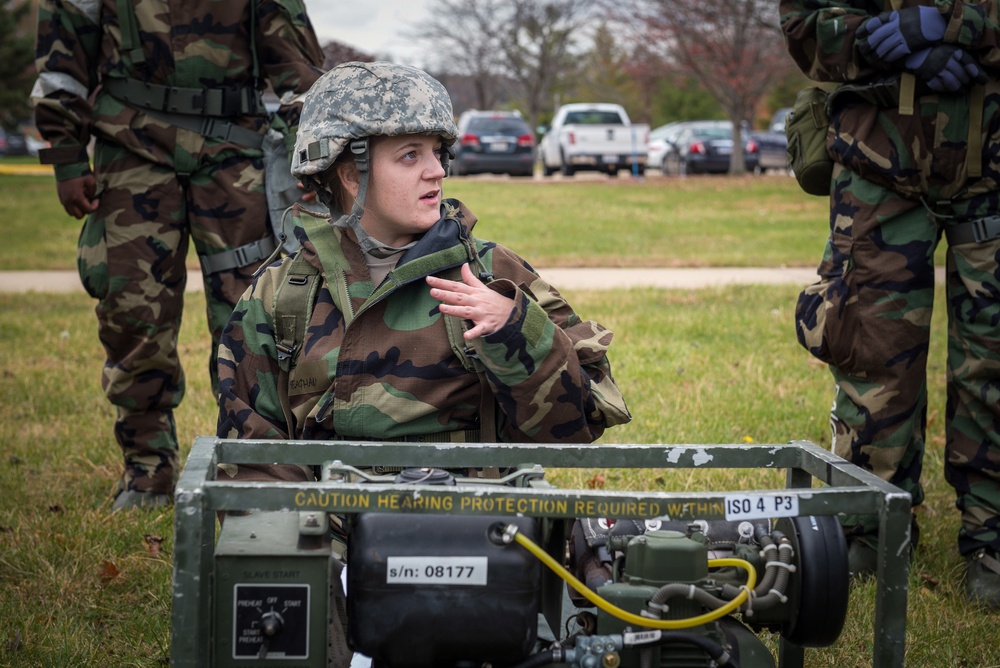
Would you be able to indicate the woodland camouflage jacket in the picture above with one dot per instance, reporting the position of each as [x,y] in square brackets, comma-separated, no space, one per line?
[382,367]
[915,154]
[181,43]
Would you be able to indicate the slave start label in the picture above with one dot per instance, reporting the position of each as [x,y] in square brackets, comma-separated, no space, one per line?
[436,570]
[760,506]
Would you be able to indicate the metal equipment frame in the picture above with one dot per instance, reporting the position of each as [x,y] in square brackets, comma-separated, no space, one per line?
[843,489]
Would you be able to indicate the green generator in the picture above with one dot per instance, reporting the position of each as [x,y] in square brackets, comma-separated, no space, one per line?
[403,555]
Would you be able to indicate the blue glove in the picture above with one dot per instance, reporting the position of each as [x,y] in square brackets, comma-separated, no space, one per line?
[945,68]
[891,36]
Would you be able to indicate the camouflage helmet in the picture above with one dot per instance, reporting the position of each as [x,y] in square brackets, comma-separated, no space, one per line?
[357,100]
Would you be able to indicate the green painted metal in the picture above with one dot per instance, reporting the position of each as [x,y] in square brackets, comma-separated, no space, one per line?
[820,482]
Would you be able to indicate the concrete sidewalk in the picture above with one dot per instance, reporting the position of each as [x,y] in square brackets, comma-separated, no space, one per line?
[563,278]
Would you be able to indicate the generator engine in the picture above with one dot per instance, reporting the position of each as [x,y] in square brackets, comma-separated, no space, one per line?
[693,595]
[478,591]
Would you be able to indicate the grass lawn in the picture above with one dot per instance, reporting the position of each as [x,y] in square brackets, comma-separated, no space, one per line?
[659,222]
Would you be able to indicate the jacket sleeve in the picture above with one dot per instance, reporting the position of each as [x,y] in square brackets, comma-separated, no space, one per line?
[66,51]
[820,38]
[548,369]
[290,57]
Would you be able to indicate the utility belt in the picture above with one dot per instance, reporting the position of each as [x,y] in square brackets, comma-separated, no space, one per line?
[977,231]
[201,110]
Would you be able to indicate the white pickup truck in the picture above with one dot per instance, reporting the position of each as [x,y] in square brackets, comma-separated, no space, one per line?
[594,136]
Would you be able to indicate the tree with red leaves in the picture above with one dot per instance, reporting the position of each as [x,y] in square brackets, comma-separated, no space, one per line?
[733,48]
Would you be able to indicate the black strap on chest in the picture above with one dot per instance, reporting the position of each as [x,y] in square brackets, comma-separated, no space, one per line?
[980,231]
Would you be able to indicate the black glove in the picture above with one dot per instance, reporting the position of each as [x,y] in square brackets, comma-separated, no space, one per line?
[945,68]
[891,36]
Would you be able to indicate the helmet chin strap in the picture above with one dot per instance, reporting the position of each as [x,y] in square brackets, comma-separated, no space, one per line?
[352,221]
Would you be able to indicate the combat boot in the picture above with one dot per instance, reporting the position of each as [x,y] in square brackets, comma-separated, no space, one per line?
[982,578]
[130,498]
[862,556]
[862,550]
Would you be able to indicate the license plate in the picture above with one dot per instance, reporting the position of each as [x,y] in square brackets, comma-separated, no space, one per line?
[724,151]
[610,159]
[498,146]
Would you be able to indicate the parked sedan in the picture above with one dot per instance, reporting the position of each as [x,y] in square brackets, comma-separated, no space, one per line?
[659,143]
[494,142]
[773,144]
[12,143]
[705,147]
[772,150]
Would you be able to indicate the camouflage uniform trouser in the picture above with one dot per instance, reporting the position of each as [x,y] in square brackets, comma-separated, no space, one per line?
[869,318]
[132,255]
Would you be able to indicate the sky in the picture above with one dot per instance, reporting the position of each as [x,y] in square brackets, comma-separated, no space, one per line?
[376,27]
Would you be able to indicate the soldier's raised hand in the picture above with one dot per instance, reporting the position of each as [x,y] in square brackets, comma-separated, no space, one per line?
[472,300]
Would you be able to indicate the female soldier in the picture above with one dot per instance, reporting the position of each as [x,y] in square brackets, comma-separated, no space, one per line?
[393,322]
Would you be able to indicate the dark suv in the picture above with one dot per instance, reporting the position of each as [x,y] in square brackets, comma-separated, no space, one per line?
[494,141]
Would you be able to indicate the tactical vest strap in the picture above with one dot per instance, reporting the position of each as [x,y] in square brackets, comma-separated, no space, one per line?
[237,257]
[223,102]
[907,82]
[974,145]
[131,41]
[292,308]
[977,231]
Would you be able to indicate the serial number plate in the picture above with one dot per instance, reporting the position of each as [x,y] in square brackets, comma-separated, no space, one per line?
[756,507]
[436,570]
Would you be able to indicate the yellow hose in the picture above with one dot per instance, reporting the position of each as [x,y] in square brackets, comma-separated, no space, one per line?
[647,622]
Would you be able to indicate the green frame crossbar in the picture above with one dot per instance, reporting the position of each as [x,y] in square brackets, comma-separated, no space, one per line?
[843,489]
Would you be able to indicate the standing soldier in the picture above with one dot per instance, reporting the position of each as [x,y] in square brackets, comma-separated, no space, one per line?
[914,137]
[170,92]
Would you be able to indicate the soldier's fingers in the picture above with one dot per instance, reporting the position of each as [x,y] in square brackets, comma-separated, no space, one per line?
[470,278]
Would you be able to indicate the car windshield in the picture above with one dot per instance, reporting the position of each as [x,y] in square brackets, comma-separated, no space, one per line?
[498,126]
[660,133]
[713,133]
[593,118]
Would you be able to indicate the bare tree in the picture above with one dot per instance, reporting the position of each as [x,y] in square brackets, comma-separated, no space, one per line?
[733,48]
[538,44]
[461,37]
[335,53]
[499,44]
